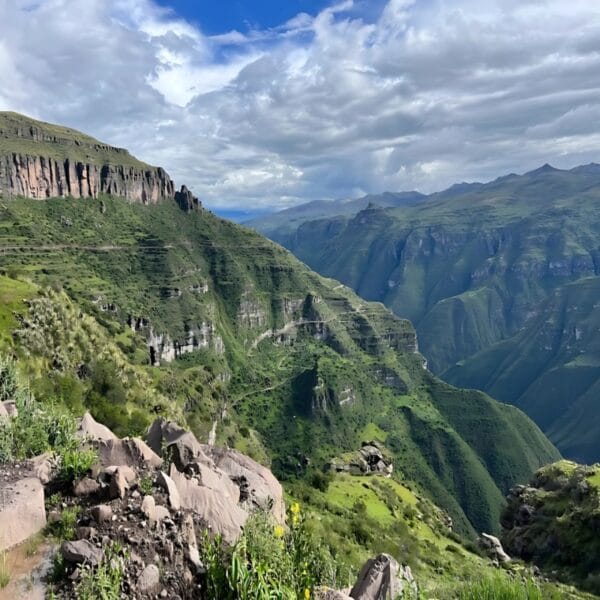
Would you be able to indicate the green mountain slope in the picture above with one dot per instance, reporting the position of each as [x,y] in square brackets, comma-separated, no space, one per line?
[24,136]
[498,279]
[139,310]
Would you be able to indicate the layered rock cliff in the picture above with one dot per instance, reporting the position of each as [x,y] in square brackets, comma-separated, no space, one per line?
[40,161]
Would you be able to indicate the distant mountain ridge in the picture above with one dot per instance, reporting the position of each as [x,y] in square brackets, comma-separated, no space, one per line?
[500,280]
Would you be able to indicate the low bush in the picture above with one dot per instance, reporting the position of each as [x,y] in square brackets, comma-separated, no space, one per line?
[104,581]
[269,561]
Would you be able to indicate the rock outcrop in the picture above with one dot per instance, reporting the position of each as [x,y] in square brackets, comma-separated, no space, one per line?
[44,177]
[41,161]
[382,578]
[186,200]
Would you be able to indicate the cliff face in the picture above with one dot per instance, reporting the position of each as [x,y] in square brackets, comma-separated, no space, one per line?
[38,160]
[42,177]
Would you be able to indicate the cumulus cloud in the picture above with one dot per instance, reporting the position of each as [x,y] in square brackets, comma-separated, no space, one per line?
[418,95]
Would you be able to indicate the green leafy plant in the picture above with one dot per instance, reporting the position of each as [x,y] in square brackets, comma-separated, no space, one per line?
[64,528]
[75,463]
[269,561]
[104,581]
[503,587]
[145,485]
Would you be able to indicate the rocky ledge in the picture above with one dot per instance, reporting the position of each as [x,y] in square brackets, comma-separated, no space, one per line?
[157,499]
[41,177]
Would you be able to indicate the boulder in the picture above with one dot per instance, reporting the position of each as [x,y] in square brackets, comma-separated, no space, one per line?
[102,513]
[22,511]
[183,446]
[118,485]
[493,547]
[154,512]
[190,545]
[81,551]
[44,467]
[221,515]
[169,486]
[130,452]
[211,477]
[10,408]
[3,411]
[86,487]
[149,580]
[258,486]
[90,429]
[382,578]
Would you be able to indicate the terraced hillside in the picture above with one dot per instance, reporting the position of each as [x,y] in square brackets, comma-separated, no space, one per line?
[137,310]
[500,280]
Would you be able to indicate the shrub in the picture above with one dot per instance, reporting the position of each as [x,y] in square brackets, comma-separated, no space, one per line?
[268,562]
[75,463]
[104,581]
[65,527]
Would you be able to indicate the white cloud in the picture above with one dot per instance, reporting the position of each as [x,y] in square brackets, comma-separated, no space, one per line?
[424,94]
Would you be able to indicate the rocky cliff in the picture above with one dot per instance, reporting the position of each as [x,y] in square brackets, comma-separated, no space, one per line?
[38,160]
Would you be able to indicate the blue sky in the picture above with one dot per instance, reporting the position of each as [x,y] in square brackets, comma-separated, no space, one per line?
[258,106]
[215,17]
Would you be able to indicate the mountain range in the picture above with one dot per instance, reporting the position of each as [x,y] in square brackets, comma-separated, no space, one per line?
[124,298]
[501,281]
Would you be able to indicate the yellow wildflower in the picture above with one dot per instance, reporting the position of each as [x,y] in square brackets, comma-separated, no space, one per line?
[295,508]
[306,594]
[279,531]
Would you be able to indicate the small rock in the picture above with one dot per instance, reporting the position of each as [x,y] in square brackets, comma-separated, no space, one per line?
[149,579]
[102,513]
[86,487]
[81,551]
[118,484]
[85,533]
[164,481]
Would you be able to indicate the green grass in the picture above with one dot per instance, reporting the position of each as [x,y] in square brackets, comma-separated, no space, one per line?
[71,144]
[5,574]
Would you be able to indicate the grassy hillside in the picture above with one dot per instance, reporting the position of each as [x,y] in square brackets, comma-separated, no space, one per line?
[291,367]
[23,135]
[500,282]
[558,529]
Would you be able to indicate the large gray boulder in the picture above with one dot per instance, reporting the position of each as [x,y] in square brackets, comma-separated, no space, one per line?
[493,548]
[90,429]
[22,511]
[183,446]
[219,511]
[82,551]
[382,578]
[129,452]
[259,488]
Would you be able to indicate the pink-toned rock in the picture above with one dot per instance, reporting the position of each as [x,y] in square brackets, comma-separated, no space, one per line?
[86,487]
[259,487]
[44,467]
[22,511]
[215,508]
